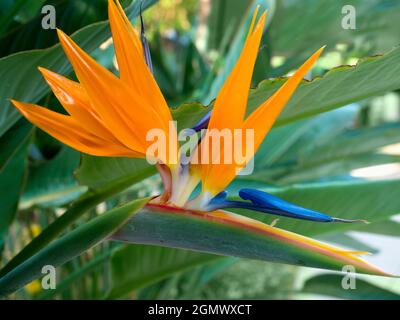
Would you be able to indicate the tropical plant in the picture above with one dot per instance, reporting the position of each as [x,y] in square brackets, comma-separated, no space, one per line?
[74,202]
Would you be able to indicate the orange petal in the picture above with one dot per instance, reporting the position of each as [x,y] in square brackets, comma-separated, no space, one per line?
[262,119]
[132,65]
[68,131]
[75,100]
[124,113]
[230,104]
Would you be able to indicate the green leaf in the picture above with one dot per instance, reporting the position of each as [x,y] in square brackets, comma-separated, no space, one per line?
[329,170]
[223,16]
[80,273]
[29,34]
[278,142]
[69,246]
[135,266]
[331,285]
[340,86]
[74,212]
[180,72]
[283,144]
[12,170]
[8,11]
[294,35]
[372,76]
[22,80]
[387,228]
[321,158]
[352,142]
[11,142]
[187,114]
[51,183]
[99,173]
[347,241]
[228,234]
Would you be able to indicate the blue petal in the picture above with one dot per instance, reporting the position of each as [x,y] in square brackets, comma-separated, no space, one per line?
[268,203]
[203,122]
[264,202]
[220,196]
[145,43]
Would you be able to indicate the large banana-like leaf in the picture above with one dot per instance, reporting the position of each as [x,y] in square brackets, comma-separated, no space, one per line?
[225,233]
[51,183]
[14,149]
[340,86]
[329,285]
[26,31]
[278,147]
[98,173]
[69,246]
[386,227]
[315,160]
[352,142]
[296,37]
[335,169]
[77,209]
[372,76]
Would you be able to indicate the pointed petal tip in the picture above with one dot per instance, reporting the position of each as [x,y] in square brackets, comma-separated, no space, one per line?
[41,69]
[264,14]
[21,107]
[257,9]
[63,37]
[314,57]
[48,75]
[45,72]
[320,50]
[15,102]
[60,32]
[261,21]
[361,253]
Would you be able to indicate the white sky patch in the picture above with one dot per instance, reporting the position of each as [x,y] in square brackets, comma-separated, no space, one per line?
[391,149]
[383,171]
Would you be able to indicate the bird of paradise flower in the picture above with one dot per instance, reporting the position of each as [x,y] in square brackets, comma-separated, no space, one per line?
[111,116]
